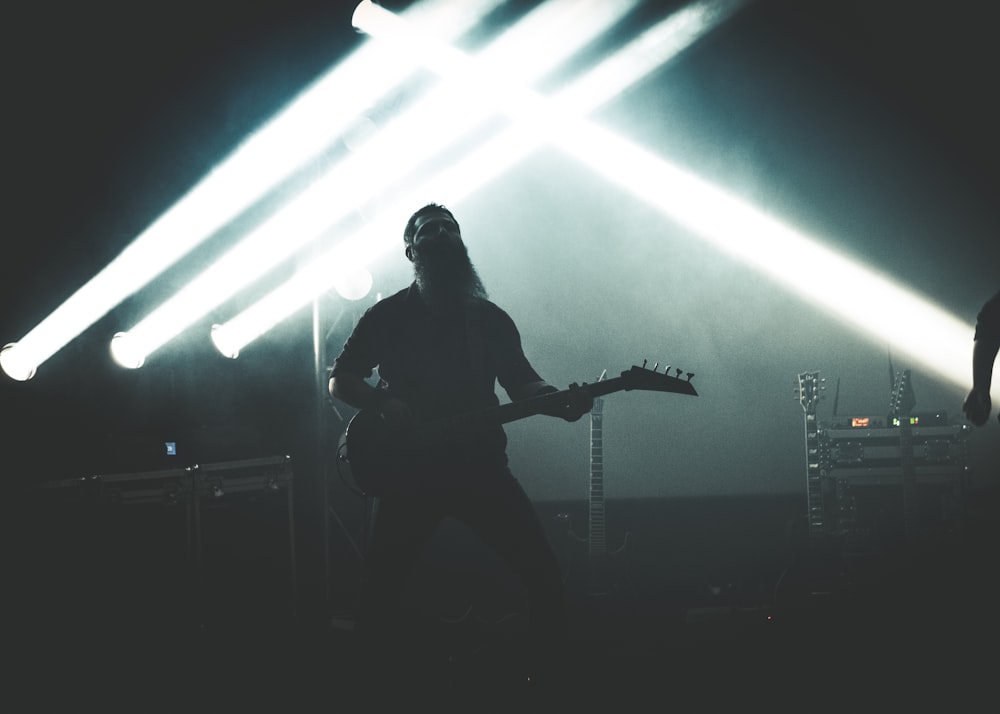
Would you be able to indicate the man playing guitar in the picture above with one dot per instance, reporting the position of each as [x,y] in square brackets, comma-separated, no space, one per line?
[440,347]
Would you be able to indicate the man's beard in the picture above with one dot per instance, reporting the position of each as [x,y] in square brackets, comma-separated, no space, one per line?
[446,277]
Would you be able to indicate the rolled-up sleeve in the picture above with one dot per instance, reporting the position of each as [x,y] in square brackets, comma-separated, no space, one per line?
[360,353]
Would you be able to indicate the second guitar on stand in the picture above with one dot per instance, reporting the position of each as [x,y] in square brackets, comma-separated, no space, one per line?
[594,569]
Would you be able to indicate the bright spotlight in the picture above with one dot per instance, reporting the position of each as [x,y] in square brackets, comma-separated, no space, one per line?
[126,351]
[354,285]
[224,343]
[15,363]
[307,126]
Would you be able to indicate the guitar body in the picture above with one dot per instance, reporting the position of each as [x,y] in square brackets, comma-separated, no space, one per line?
[601,576]
[608,574]
[382,460]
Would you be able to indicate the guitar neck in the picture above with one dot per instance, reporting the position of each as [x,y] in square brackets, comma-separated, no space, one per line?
[596,532]
[521,409]
[537,405]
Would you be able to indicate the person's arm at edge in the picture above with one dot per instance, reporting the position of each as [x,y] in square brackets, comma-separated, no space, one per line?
[977,405]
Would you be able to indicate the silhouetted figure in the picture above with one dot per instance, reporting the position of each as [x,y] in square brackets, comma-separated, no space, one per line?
[440,347]
[977,404]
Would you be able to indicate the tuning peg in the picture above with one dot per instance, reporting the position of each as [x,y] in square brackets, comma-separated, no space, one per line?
[655,365]
[644,364]
[690,375]
[678,371]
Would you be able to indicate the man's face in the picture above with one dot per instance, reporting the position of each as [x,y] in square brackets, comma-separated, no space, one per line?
[434,232]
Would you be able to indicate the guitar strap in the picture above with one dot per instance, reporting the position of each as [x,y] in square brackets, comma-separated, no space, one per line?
[474,337]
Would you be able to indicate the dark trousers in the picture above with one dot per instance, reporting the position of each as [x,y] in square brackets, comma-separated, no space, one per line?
[500,513]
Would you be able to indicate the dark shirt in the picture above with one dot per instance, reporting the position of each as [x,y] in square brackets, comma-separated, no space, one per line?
[988,321]
[442,367]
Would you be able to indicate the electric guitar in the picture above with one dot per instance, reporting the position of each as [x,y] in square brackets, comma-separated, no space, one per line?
[381,459]
[903,401]
[605,569]
[809,396]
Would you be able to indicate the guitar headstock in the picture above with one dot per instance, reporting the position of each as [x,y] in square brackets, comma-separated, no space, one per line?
[809,391]
[651,380]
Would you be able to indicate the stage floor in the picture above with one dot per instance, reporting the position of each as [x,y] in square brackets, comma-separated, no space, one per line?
[720,605]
